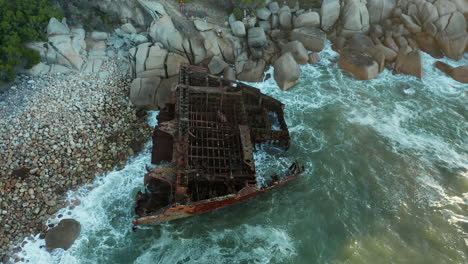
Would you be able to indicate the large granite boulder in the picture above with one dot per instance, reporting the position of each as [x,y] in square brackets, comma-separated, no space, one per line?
[309,19]
[266,25]
[163,30]
[287,71]
[197,48]
[252,71]
[155,62]
[210,43]
[61,49]
[217,65]
[163,93]
[140,56]
[297,50]
[63,235]
[410,24]
[274,7]
[314,58]
[256,37]
[128,28]
[428,44]
[174,62]
[312,38]
[285,17]
[229,74]
[56,27]
[354,17]
[98,35]
[329,11]
[409,63]
[202,25]
[390,55]
[459,73]
[379,10]
[361,64]
[238,29]
[143,92]
[263,13]
[454,38]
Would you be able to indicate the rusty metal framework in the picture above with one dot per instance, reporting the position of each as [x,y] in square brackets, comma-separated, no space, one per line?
[204,147]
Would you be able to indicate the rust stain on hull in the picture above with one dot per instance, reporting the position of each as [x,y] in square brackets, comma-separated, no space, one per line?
[204,146]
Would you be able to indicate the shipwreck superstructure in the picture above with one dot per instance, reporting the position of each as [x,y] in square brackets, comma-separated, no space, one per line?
[204,147]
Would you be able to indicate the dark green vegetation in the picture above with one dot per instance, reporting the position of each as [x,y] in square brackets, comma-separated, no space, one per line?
[21,21]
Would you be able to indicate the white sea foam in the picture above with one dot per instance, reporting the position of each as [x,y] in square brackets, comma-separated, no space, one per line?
[241,244]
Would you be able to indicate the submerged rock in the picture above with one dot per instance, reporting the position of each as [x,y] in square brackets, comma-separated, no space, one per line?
[64,235]
[459,74]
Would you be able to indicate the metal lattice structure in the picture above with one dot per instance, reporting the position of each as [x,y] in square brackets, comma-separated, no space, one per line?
[205,141]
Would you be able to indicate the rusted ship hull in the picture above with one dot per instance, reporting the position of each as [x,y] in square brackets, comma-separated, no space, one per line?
[204,146]
[191,209]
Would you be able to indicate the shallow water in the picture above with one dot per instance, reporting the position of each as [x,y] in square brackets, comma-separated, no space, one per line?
[386,182]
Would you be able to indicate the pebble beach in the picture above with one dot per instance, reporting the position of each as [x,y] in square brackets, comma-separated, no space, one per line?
[57,132]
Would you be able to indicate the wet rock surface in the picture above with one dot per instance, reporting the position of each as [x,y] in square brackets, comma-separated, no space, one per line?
[63,235]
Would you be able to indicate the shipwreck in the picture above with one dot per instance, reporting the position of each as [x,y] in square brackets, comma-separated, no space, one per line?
[204,147]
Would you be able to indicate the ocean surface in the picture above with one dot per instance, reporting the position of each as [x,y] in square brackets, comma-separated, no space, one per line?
[386,181]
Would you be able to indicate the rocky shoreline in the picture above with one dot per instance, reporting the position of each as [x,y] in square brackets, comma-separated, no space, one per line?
[58,132]
[71,118]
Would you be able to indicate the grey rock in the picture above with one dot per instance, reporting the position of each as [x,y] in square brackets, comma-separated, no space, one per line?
[380,10]
[309,19]
[202,26]
[274,7]
[329,11]
[257,37]
[64,235]
[238,29]
[143,92]
[229,74]
[252,71]
[313,39]
[217,65]
[265,25]
[287,71]
[285,18]
[174,61]
[156,58]
[99,35]
[164,31]
[56,27]
[297,50]
[263,13]
[128,28]
[138,38]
